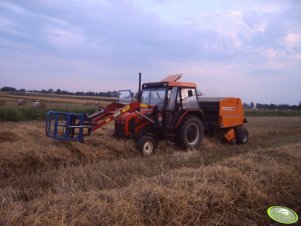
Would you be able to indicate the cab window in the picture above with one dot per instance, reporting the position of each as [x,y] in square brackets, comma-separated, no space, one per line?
[154,97]
[189,99]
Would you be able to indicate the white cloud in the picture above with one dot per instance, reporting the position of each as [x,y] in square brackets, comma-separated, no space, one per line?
[260,27]
[13,7]
[14,45]
[105,3]
[9,26]
[292,38]
[297,57]
[65,38]
[271,53]
[56,20]
[234,13]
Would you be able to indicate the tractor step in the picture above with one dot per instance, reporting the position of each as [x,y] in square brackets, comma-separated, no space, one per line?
[67,126]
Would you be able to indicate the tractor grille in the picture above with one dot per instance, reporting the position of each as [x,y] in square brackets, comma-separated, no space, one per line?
[119,129]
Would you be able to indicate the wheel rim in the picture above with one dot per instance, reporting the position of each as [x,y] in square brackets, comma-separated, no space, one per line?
[193,134]
[148,148]
[245,139]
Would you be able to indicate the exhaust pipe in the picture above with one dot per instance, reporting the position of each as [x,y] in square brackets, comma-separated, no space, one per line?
[139,89]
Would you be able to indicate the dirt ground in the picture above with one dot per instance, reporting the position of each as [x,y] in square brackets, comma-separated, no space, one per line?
[104,181]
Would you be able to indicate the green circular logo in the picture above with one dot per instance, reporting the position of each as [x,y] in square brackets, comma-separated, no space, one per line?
[282,215]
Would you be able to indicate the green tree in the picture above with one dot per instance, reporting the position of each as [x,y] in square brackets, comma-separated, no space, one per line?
[252,105]
[58,91]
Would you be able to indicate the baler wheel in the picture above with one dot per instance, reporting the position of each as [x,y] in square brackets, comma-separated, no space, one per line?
[241,134]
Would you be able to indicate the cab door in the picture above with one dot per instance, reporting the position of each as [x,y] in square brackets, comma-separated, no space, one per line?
[180,100]
[172,107]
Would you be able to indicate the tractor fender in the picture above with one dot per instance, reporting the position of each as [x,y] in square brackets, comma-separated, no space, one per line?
[146,129]
[198,113]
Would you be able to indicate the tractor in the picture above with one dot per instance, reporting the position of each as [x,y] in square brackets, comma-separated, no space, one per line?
[169,109]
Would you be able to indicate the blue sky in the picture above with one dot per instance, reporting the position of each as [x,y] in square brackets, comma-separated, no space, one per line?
[249,49]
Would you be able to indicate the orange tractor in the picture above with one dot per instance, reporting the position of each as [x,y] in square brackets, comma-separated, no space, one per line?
[168,109]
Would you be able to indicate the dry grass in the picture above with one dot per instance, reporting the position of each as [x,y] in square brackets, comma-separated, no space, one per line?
[66,104]
[105,182]
[39,104]
[21,102]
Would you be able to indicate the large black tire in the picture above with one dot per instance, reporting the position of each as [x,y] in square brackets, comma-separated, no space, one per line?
[241,135]
[190,133]
[147,145]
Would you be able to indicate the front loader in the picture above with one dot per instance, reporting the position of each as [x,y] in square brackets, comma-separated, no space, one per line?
[168,109]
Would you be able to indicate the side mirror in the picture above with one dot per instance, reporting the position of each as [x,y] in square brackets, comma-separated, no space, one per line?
[190,94]
[199,93]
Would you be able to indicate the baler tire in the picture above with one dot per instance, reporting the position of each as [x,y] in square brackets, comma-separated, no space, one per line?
[146,145]
[241,135]
[182,139]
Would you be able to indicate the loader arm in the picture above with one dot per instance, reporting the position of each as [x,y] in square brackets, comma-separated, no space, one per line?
[111,114]
[74,127]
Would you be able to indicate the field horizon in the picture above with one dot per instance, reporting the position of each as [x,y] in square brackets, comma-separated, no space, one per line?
[11,110]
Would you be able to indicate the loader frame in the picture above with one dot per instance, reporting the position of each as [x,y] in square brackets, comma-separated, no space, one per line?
[74,126]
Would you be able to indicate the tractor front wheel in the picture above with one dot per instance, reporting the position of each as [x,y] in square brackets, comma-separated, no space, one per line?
[190,133]
[147,145]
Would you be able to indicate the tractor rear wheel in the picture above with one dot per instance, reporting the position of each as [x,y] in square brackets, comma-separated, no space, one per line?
[190,133]
[147,145]
[241,135]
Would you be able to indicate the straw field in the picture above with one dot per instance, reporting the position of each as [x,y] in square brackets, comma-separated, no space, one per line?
[52,100]
[104,181]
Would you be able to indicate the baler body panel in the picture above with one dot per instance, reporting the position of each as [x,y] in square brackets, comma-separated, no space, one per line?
[226,112]
[231,113]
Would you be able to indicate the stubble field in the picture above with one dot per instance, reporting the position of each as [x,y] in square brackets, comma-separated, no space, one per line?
[104,181]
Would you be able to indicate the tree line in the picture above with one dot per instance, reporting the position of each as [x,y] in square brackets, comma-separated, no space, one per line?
[59,91]
[260,106]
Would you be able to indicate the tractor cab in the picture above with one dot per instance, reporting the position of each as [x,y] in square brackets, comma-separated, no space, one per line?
[169,94]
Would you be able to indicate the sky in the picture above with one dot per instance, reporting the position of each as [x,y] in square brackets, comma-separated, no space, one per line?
[247,49]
